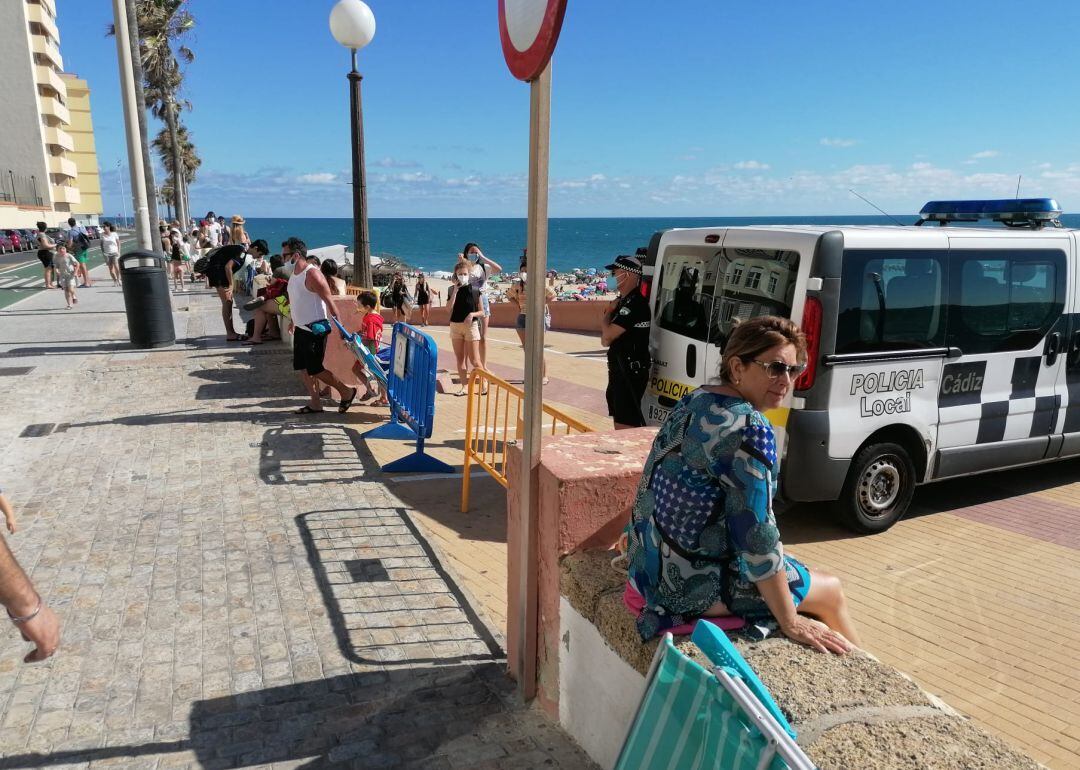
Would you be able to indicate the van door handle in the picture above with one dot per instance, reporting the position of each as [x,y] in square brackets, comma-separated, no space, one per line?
[1072,356]
[1053,347]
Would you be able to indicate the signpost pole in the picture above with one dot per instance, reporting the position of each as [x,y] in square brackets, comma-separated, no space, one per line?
[539,136]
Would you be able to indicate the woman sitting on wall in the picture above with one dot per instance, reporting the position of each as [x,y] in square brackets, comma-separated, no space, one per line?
[702,540]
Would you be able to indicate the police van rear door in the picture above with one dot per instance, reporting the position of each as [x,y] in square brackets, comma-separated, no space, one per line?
[682,299]
[759,271]
[1000,401]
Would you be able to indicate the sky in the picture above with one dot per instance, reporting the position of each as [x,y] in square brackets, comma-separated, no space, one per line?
[687,108]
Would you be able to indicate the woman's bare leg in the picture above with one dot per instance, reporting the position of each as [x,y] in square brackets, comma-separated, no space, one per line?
[461,357]
[483,341]
[826,601]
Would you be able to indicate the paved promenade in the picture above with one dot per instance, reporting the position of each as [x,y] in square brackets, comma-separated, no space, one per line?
[239,586]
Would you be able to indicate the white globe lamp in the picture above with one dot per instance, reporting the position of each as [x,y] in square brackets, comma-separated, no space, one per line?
[352,23]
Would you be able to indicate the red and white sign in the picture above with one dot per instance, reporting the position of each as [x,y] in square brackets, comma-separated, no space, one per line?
[529,30]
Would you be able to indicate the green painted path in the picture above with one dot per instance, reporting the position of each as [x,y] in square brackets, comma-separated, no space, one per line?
[23,280]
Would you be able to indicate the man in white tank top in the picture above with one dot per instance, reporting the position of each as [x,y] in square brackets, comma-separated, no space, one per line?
[310,305]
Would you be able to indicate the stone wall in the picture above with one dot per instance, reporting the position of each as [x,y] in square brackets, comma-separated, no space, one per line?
[851,711]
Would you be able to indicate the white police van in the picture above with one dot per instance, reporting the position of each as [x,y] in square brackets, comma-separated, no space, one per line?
[934,352]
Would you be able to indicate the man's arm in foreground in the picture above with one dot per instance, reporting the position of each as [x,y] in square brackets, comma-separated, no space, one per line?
[19,598]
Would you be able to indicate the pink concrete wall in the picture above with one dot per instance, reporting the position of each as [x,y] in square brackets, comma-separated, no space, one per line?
[339,359]
[565,316]
[587,485]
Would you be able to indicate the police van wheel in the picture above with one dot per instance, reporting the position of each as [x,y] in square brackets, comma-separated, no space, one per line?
[878,488]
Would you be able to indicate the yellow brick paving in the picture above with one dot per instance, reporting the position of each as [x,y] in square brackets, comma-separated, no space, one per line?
[985,618]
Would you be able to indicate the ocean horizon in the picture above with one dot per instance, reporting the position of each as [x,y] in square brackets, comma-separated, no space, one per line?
[433,243]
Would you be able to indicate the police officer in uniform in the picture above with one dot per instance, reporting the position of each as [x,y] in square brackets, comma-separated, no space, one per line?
[624,331]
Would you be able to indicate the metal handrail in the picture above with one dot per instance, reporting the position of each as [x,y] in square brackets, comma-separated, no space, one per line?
[492,397]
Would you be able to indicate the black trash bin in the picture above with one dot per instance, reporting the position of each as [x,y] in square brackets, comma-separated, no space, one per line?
[146,299]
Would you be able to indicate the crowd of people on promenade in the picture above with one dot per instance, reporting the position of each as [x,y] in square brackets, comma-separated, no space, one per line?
[701,540]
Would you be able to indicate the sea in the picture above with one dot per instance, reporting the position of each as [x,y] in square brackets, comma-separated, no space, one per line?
[433,244]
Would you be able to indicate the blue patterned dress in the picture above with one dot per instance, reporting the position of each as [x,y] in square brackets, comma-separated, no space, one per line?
[702,528]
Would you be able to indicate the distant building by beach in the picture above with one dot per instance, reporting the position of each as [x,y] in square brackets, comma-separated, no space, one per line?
[45,145]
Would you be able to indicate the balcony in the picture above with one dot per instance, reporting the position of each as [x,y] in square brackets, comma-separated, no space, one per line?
[47,76]
[61,166]
[69,195]
[51,106]
[35,13]
[58,137]
[42,45]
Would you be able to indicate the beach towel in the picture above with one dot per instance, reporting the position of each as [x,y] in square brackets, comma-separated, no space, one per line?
[635,602]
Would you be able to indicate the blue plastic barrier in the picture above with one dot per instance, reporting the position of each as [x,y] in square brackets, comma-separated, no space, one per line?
[410,386]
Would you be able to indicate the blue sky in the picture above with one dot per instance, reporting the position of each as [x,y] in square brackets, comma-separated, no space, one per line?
[689,108]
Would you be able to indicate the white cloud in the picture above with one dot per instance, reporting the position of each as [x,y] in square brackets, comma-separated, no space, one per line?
[835,142]
[985,154]
[320,178]
[751,165]
[389,162]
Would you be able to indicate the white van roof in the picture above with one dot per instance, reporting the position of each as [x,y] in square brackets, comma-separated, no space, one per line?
[872,236]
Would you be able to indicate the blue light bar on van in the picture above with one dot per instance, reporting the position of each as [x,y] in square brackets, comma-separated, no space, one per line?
[1013,211]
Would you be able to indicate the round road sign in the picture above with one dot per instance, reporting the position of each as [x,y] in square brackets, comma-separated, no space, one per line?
[529,30]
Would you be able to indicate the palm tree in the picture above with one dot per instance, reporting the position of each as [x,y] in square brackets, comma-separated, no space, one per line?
[162,23]
[189,157]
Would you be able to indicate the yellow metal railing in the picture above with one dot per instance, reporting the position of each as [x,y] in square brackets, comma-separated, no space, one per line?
[490,428]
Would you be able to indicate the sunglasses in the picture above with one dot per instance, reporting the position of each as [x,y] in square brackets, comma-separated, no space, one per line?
[775,369]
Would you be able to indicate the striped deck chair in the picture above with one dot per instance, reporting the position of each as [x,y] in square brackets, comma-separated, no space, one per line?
[691,719]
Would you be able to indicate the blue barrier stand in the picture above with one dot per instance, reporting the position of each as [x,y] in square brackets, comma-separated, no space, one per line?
[410,386]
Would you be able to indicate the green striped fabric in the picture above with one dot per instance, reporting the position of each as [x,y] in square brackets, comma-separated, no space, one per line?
[687,720]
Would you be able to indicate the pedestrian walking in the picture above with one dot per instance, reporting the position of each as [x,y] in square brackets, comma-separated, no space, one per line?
[66,271]
[311,305]
[45,253]
[465,314]
[173,246]
[518,294]
[624,331]
[479,270]
[78,244]
[37,623]
[213,230]
[110,247]
[423,291]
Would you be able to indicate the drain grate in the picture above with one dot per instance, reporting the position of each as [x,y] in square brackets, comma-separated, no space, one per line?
[37,430]
[257,351]
[15,371]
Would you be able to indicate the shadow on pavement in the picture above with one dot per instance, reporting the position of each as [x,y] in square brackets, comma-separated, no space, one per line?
[370,719]
[440,499]
[307,450]
[389,598]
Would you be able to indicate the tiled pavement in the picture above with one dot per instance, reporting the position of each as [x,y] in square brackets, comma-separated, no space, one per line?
[238,586]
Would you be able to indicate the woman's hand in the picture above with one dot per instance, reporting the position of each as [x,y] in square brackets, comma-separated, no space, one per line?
[814,633]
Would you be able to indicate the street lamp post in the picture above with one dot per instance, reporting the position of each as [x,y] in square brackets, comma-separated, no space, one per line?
[353,25]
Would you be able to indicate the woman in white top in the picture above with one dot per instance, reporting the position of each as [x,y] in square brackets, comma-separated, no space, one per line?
[110,247]
[481,268]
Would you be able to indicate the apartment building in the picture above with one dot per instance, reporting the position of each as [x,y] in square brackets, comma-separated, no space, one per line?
[39,175]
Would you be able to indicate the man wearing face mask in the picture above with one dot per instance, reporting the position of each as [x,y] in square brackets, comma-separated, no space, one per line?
[311,306]
[624,331]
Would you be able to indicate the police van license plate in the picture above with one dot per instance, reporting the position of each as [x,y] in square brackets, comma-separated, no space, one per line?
[656,414]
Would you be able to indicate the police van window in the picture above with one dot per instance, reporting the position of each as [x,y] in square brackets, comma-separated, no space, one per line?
[736,299]
[891,300]
[1005,300]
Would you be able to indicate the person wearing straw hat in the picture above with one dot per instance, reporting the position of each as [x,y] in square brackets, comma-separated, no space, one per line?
[624,331]
[237,233]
